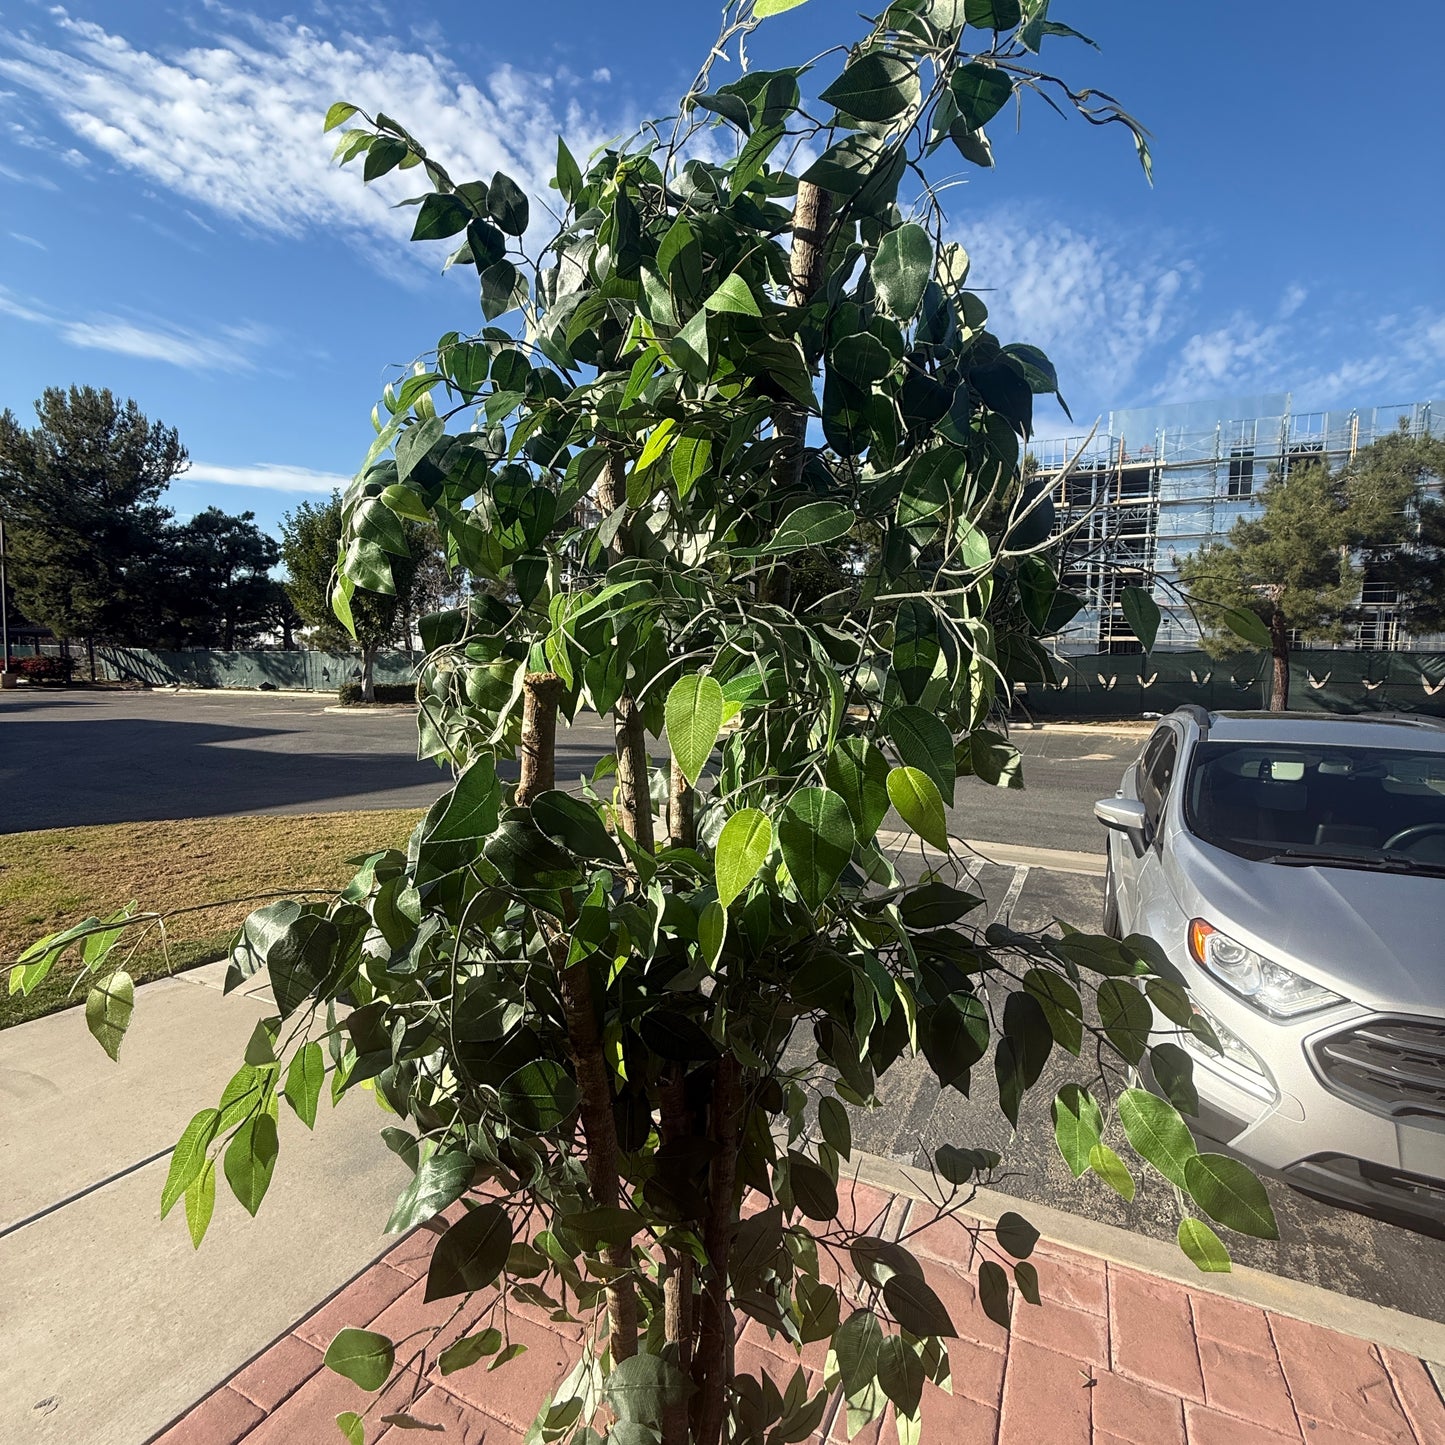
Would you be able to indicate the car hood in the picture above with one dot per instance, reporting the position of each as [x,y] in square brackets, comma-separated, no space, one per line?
[1376,938]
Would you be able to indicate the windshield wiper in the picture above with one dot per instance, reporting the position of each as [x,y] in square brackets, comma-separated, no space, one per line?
[1384,863]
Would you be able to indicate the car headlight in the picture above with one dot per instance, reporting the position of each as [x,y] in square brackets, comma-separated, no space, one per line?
[1269,986]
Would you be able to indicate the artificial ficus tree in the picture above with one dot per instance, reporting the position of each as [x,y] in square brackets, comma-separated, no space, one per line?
[624,1025]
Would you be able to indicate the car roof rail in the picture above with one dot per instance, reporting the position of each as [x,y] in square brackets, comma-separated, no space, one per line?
[1196,713]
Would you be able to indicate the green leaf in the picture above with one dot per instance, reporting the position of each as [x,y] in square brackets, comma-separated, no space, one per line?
[338,113]
[980,92]
[817,1309]
[902,268]
[303,1082]
[733,295]
[861,358]
[855,1347]
[383,155]
[575,825]
[745,841]
[405,503]
[1203,1246]
[924,742]
[538,1096]
[1157,1133]
[201,1202]
[763,8]
[108,1007]
[919,804]
[362,1356]
[1173,1071]
[251,1160]
[993,1292]
[995,760]
[1078,1125]
[352,1427]
[814,1191]
[471,1254]
[1126,1017]
[876,87]
[1141,612]
[1016,1234]
[188,1158]
[441,1180]
[1060,1002]
[468,1350]
[815,833]
[508,204]
[900,1373]
[472,808]
[440,216]
[644,1387]
[1112,1170]
[694,715]
[813,525]
[935,905]
[916,648]
[1230,1194]
[858,772]
[1247,625]
[993,14]
[712,927]
[837,1130]
[569,174]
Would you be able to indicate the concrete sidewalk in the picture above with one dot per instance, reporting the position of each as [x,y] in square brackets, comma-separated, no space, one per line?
[112,1323]
[1114,1356]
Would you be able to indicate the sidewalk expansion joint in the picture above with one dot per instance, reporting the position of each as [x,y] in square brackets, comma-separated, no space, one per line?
[69,1199]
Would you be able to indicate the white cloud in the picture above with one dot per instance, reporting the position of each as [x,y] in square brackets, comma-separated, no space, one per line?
[1099,305]
[28,240]
[270,476]
[234,125]
[228,348]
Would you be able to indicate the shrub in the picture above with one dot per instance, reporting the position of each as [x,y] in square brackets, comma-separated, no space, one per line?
[385,692]
[44,670]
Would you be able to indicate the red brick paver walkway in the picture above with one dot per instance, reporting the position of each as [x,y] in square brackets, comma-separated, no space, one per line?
[1113,1357]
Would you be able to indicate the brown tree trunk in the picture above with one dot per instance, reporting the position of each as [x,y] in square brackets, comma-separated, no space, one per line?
[368,674]
[713,1367]
[541,692]
[681,823]
[1279,648]
[676,1125]
[634,794]
[812,212]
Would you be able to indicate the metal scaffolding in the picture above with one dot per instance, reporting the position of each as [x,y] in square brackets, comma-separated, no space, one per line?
[1160,481]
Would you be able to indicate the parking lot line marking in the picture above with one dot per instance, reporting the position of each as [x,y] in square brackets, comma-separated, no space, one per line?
[1015,887]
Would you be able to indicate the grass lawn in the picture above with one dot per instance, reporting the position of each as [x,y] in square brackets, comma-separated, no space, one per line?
[53,878]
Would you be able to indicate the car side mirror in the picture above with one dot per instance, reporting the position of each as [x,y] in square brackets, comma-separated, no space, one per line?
[1124,814]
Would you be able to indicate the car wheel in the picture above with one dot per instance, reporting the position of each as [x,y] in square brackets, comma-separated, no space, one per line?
[1111,900]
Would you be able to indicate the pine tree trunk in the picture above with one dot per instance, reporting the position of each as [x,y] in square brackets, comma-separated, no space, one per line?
[1279,648]
[541,692]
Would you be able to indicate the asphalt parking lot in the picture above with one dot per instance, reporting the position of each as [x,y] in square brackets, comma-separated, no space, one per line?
[70,759]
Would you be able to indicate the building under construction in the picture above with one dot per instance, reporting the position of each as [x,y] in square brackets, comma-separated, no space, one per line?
[1160,481]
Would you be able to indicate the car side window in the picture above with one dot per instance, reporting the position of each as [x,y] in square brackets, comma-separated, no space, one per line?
[1156,773]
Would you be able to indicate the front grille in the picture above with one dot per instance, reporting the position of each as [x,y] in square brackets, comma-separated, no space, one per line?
[1391,1066]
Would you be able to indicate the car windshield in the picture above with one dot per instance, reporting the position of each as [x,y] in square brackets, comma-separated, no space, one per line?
[1297,804]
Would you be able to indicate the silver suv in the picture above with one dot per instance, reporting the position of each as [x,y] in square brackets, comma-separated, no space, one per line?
[1293,866]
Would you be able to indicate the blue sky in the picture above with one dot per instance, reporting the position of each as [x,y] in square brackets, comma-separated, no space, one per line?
[170,226]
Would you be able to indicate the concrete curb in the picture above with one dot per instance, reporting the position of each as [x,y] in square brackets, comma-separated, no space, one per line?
[1425,1339]
[1052,860]
[352,709]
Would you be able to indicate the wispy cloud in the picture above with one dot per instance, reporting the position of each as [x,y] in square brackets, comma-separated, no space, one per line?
[227,348]
[234,125]
[28,240]
[271,477]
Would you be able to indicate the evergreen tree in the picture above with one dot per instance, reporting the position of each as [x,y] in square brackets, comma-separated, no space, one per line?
[81,492]
[220,591]
[310,546]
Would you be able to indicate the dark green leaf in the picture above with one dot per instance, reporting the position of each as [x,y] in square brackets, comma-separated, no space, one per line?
[303,1081]
[817,1308]
[644,1387]
[508,204]
[995,760]
[980,92]
[442,1179]
[539,1095]
[468,1350]
[833,1121]
[954,1035]
[440,216]
[813,1189]
[362,1356]
[470,1255]
[813,525]
[900,1374]
[569,175]
[993,14]
[383,155]
[1126,1017]
[993,1292]
[1229,1193]
[935,905]
[924,742]
[815,833]
[1174,1073]
[1016,1234]
[1060,1002]
[1141,612]
[856,1346]
[1247,625]
[916,648]
[575,825]
[876,87]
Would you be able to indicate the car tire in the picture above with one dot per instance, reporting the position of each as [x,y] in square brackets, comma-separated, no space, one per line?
[1111,900]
